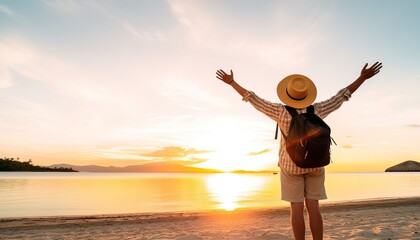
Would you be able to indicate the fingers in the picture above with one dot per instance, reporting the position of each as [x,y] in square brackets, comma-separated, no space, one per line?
[377,65]
[376,68]
[374,65]
[364,68]
[373,70]
[220,73]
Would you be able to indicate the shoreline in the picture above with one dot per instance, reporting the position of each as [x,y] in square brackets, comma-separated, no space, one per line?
[377,218]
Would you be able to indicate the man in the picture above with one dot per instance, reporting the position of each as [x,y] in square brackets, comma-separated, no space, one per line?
[300,186]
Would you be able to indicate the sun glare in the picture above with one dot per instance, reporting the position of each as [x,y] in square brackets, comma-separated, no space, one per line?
[227,142]
[230,191]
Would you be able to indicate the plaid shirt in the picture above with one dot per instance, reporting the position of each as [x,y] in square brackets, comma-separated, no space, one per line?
[278,113]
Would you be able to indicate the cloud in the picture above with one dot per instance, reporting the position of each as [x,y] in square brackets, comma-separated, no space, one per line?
[63,6]
[412,125]
[68,78]
[347,146]
[73,8]
[259,153]
[199,25]
[213,27]
[173,152]
[127,25]
[5,78]
[131,29]
[119,152]
[191,95]
[190,161]
[6,10]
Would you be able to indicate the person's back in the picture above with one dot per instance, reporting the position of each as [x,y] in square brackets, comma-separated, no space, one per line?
[300,186]
[309,140]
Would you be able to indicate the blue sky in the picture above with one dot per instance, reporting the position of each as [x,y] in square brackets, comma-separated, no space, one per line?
[129,82]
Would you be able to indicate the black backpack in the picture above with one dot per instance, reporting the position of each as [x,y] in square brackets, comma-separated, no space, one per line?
[309,139]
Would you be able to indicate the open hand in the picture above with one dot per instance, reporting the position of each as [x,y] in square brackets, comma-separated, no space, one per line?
[224,76]
[367,73]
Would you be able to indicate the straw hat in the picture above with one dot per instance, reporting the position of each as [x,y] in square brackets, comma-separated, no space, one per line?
[296,91]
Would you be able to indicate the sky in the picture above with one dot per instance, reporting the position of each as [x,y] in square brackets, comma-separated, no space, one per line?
[118,83]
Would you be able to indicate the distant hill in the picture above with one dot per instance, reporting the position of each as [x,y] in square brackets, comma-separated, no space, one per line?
[12,165]
[156,167]
[407,166]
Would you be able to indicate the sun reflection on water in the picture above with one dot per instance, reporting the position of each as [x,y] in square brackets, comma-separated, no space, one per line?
[231,191]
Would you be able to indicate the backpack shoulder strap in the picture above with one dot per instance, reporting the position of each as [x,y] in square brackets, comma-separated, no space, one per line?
[292,111]
[277,132]
[310,109]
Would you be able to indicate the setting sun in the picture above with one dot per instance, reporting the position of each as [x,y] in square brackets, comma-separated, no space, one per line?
[226,141]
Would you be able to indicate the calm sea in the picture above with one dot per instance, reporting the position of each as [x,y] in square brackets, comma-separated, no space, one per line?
[52,194]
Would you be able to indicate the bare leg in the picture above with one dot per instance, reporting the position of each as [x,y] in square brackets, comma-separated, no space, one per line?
[298,222]
[315,219]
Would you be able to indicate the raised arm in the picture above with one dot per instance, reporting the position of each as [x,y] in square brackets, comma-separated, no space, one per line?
[272,110]
[228,79]
[365,74]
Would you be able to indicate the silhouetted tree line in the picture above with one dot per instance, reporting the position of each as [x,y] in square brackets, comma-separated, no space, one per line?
[10,164]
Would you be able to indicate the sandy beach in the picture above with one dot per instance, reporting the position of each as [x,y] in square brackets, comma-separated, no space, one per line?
[374,219]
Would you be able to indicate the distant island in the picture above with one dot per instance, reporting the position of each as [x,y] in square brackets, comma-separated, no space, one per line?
[12,165]
[155,167]
[407,166]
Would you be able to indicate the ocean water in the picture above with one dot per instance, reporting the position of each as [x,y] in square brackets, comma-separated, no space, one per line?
[28,194]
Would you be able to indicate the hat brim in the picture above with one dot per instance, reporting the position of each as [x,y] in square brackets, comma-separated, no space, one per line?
[284,97]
